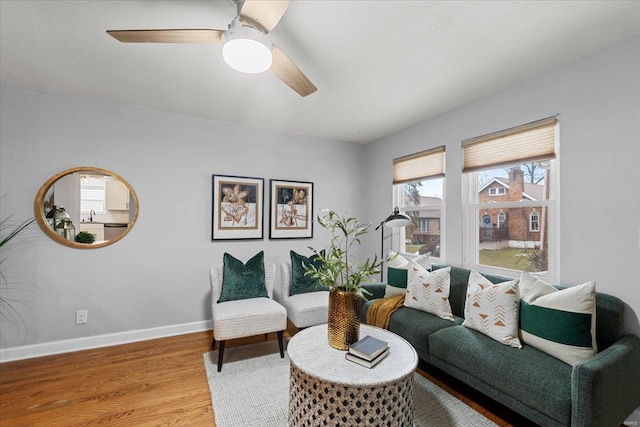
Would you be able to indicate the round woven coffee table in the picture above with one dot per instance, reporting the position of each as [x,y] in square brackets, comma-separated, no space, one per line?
[326,389]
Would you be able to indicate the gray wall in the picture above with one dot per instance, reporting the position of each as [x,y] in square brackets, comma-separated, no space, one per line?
[157,276]
[598,99]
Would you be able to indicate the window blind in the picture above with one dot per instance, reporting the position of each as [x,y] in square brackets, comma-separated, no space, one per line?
[532,142]
[418,166]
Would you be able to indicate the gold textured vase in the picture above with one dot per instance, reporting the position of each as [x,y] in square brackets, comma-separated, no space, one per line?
[344,318]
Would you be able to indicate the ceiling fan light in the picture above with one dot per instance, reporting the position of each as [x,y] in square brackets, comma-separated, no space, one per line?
[247,56]
[246,50]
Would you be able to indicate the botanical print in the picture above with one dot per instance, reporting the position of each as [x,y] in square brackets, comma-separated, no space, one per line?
[238,205]
[237,208]
[291,208]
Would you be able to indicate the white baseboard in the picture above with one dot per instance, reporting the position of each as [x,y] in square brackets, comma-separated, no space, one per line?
[87,343]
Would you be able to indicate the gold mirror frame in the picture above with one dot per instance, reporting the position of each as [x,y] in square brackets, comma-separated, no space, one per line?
[39,208]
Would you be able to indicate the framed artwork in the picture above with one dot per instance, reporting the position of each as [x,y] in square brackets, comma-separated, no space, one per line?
[237,208]
[291,210]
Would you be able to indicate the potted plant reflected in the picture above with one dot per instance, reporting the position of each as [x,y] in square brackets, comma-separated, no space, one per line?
[85,237]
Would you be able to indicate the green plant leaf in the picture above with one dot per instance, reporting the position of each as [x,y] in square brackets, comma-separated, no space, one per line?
[15,231]
[337,269]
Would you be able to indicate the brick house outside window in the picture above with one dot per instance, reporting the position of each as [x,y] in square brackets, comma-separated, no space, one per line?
[512,227]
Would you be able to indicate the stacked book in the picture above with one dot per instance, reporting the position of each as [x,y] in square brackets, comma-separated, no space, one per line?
[369,351]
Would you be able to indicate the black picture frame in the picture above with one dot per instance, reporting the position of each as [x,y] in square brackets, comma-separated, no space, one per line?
[237,208]
[290,209]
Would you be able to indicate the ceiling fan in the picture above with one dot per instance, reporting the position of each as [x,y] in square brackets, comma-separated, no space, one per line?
[246,45]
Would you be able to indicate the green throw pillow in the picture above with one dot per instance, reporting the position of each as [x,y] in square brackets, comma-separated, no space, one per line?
[243,281]
[397,277]
[300,282]
[397,272]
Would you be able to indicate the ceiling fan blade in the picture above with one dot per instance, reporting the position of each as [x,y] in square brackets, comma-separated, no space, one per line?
[167,36]
[263,14]
[289,73]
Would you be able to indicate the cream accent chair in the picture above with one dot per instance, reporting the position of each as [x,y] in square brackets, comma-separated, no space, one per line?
[304,310]
[245,317]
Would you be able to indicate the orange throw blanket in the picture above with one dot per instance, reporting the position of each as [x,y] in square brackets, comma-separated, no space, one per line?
[380,312]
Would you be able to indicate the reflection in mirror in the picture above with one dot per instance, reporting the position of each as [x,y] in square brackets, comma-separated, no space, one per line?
[86,207]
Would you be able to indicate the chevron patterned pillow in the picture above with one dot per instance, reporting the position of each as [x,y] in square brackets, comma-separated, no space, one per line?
[429,291]
[493,309]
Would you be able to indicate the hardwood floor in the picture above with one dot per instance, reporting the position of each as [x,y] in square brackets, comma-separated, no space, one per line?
[149,383]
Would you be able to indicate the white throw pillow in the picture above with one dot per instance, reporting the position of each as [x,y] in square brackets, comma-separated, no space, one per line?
[562,323]
[493,309]
[397,272]
[429,291]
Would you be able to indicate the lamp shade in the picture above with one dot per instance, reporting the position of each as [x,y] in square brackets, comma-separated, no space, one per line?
[397,219]
[246,49]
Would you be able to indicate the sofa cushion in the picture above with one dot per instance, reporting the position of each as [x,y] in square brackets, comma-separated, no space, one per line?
[561,323]
[300,281]
[428,291]
[610,324]
[526,374]
[243,281]
[493,309]
[397,272]
[415,326]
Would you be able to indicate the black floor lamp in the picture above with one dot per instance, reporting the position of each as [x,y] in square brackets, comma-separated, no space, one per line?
[395,220]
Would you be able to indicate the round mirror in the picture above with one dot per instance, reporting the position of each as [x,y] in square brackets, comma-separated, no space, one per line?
[86,207]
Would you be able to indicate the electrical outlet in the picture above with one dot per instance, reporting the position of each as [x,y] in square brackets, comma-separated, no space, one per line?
[81,317]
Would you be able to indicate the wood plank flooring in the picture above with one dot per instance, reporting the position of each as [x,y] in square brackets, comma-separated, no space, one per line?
[158,382]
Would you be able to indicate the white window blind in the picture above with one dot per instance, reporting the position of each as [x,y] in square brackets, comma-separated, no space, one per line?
[522,144]
[92,198]
[418,166]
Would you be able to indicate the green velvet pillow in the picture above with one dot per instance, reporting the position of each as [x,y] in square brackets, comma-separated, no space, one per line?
[301,283]
[243,281]
[397,277]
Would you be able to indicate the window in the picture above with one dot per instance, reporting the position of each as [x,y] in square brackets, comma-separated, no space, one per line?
[534,222]
[517,231]
[92,194]
[419,193]
[502,220]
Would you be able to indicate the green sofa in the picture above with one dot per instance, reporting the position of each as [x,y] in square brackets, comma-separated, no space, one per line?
[599,392]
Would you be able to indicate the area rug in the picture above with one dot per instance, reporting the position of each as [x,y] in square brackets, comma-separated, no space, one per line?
[253,390]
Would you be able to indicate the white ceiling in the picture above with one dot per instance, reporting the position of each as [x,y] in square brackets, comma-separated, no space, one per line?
[380,66]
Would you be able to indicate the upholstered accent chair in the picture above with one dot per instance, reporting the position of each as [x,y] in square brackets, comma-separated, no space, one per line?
[303,309]
[245,317]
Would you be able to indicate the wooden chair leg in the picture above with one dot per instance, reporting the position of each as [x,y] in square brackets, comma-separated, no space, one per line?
[220,354]
[280,344]
[266,336]
[213,342]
